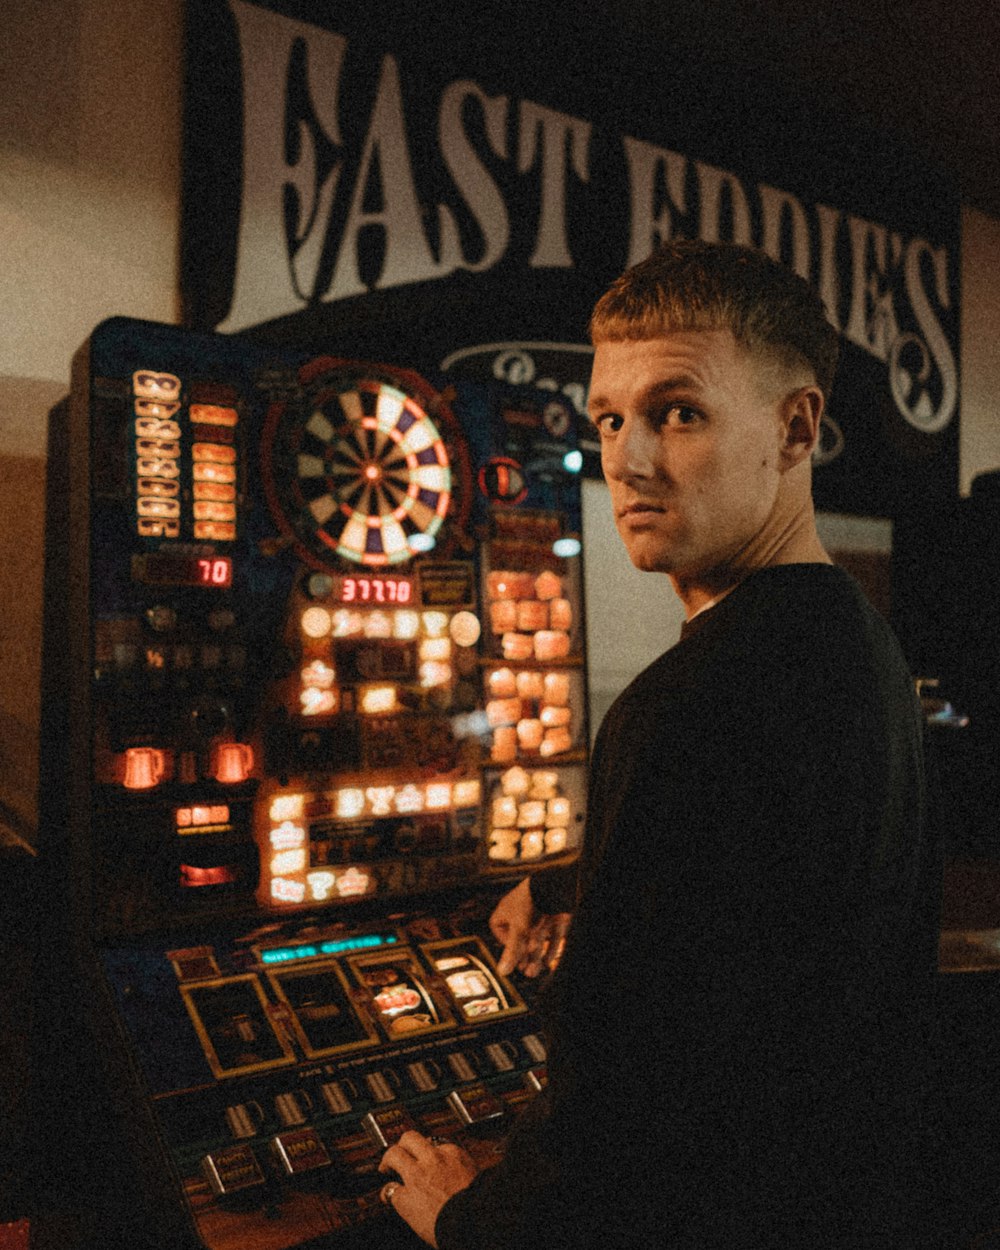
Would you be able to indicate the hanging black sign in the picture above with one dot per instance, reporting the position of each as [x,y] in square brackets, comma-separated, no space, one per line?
[454,195]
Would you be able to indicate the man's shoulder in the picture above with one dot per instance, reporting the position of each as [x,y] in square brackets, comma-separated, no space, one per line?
[814,601]
[816,626]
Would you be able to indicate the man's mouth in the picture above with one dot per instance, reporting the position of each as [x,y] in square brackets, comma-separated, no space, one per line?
[641,508]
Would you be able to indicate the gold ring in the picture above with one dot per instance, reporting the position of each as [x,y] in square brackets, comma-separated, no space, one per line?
[387,1191]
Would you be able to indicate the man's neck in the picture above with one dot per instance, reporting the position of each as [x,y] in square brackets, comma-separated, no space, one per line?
[799,545]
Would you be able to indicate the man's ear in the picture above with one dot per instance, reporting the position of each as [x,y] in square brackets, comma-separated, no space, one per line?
[801,413]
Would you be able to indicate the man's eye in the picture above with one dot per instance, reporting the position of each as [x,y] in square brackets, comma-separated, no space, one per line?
[608,423]
[680,414]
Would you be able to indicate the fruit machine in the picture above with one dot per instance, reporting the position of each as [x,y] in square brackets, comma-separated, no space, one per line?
[314,662]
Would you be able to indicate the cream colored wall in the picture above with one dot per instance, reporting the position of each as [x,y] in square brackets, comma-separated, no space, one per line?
[980,362]
[89,198]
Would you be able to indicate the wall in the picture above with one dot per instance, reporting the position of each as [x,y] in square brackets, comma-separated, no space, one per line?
[89,197]
[980,362]
[89,201]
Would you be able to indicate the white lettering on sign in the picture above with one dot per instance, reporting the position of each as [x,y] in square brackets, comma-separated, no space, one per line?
[309,200]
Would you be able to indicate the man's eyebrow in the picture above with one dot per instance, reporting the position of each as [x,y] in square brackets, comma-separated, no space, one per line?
[667,386]
[657,390]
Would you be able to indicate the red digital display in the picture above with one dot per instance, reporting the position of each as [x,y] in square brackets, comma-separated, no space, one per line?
[390,590]
[164,568]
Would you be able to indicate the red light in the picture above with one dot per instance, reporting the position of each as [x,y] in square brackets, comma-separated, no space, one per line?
[233,762]
[193,877]
[217,571]
[144,767]
[375,590]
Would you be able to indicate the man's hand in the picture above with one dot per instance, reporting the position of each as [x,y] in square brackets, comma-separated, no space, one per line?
[430,1173]
[531,940]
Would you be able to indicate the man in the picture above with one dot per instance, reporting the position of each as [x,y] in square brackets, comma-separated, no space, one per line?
[738,1022]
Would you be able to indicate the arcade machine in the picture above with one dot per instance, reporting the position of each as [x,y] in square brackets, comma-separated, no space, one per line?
[315,688]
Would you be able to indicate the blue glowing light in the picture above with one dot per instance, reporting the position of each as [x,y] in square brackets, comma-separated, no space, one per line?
[573,461]
[285,954]
[566,547]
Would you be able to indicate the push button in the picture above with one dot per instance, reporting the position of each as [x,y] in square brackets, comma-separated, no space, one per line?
[386,1127]
[536,1079]
[535,1047]
[383,1086]
[300,1151]
[475,1104]
[233,1170]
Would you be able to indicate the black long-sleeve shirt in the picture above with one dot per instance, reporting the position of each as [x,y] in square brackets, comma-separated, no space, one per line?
[738,1025]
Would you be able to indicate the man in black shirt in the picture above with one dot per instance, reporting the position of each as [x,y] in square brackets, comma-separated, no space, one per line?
[738,1024]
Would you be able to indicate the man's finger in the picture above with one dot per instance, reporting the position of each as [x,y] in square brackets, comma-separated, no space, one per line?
[514,951]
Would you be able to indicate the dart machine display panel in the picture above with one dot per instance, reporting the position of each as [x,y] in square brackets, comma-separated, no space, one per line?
[325,700]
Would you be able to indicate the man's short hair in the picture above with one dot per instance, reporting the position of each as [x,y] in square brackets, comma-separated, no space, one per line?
[691,285]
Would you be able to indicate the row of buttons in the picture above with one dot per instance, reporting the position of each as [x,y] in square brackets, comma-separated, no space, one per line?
[294,1107]
[178,658]
[301,1152]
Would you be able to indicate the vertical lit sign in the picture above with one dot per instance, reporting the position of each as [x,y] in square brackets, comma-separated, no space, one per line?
[157,453]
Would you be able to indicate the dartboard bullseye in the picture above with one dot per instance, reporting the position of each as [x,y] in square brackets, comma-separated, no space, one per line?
[359,471]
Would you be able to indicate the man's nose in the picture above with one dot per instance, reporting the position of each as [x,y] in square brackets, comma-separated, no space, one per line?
[632,454]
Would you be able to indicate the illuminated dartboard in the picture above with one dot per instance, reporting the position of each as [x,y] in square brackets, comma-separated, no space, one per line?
[358,469]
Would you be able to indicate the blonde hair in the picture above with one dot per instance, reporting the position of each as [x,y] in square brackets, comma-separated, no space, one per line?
[691,285]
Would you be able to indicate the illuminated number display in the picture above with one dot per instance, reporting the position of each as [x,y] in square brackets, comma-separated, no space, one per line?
[163,503]
[168,569]
[157,453]
[217,571]
[375,590]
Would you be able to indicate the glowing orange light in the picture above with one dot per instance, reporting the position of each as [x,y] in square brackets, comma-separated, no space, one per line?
[466,793]
[380,798]
[144,767]
[318,673]
[233,762]
[376,700]
[405,625]
[316,702]
[214,453]
[285,891]
[320,885]
[557,812]
[192,876]
[212,414]
[555,840]
[287,836]
[438,796]
[289,861]
[378,625]
[435,649]
[316,622]
[434,674]
[350,803]
[465,629]
[352,882]
[213,473]
[152,385]
[435,623]
[347,624]
[220,531]
[286,807]
[409,799]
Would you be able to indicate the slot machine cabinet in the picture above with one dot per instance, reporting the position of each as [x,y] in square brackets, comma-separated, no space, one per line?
[314,698]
